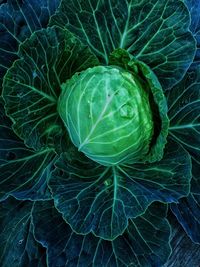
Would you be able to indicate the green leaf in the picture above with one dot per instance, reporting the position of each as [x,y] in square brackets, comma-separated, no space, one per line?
[100,105]
[18,246]
[184,108]
[144,243]
[184,113]
[18,20]
[194,7]
[157,100]
[187,211]
[154,31]
[98,199]
[184,251]
[23,172]
[32,85]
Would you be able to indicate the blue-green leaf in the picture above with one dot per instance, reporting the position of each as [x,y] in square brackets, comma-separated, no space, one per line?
[187,212]
[154,31]
[98,199]
[18,20]
[194,8]
[184,114]
[18,246]
[144,243]
[32,85]
[184,252]
[23,172]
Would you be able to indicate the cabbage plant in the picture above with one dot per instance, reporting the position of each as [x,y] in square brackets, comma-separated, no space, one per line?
[99,132]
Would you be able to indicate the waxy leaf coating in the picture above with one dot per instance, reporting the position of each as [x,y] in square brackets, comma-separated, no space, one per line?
[98,199]
[144,243]
[154,31]
[32,85]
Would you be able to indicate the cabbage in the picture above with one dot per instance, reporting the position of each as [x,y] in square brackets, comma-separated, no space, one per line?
[108,115]
[99,132]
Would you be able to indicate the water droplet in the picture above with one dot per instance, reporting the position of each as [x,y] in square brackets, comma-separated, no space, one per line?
[20,241]
[34,74]
[108,182]
[126,111]
[21,94]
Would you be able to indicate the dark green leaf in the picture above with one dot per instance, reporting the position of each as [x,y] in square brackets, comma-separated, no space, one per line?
[23,172]
[184,252]
[144,243]
[194,8]
[187,212]
[154,31]
[17,244]
[93,198]
[32,85]
[18,19]
[184,114]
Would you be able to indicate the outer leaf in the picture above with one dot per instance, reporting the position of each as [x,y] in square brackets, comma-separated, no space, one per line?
[184,112]
[32,84]
[17,244]
[145,242]
[187,212]
[184,252]
[23,172]
[18,20]
[194,7]
[154,31]
[93,198]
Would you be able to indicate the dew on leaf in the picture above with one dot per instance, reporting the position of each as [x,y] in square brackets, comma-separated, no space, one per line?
[126,111]
[20,241]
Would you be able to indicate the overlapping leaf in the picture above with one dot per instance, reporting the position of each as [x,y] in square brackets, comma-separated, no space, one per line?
[32,85]
[194,8]
[187,213]
[184,114]
[23,172]
[17,244]
[154,31]
[144,243]
[99,199]
[184,251]
[18,20]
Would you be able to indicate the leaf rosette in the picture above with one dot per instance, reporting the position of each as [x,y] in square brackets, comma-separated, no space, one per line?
[84,121]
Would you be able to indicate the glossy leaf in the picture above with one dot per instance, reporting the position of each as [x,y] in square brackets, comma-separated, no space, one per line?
[144,243]
[32,85]
[18,20]
[155,31]
[98,199]
[23,172]
[18,246]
